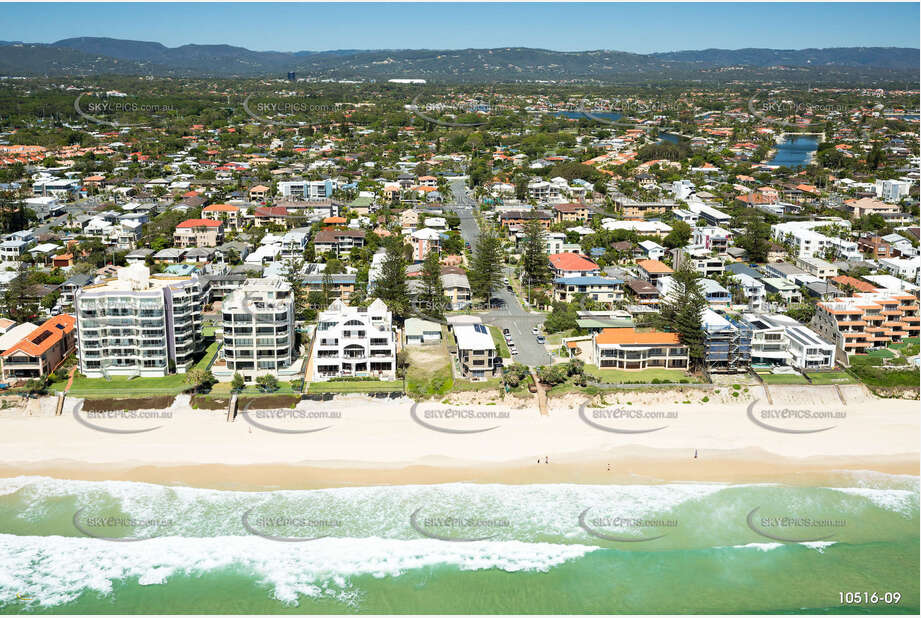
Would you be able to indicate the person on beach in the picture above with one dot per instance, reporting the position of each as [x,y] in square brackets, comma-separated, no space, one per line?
[695,453]
[546,459]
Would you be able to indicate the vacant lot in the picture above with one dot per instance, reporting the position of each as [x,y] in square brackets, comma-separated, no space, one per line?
[429,370]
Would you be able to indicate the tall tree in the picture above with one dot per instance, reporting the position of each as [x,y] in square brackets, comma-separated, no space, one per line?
[680,312]
[391,286]
[755,237]
[486,273]
[431,297]
[293,268]
[534,261]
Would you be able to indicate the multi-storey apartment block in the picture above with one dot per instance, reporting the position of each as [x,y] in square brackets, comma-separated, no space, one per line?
[258,323]
[727,343]
[139,325]
[781,340]
[41,352]
[601,289]
[867,320]
[199,233]
[355,341]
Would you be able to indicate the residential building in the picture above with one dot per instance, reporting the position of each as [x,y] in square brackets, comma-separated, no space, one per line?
[652,250]
[596,288]
[228,214]
[41,352]
[632,349]
[867,320]
[457,291]
[817,267]
[418,331]
[138,324]
[868,206]
[423,241]
[752,289]
[781,340]
[573,265]
[355,341]
[570,212]
[642,292]
[653,270]
[714,239]
[727,343]
[699,259]
[632,209]
[199,233]
[338,242]
[476,351]
[892,190]
[519,218]
[340,285]
[259,335]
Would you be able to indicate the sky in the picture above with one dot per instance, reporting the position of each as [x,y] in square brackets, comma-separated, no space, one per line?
[635,27]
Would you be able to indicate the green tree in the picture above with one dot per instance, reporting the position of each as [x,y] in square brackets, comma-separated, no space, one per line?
[431,297]
[486,273]
[679,236]
[199,379]
[293,268]
[563,317]
[268,382]
[238,383]
[534,261]
[680,312]
[755,237]
[391,286]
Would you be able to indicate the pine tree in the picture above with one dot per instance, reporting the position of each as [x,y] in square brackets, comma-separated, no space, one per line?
[293,268]
[431,296]
[534,262]
[680,312]
[486,274]
[391,286]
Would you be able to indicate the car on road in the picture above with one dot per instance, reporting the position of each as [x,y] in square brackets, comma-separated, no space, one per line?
[541,339]
[506,331]
[535,331]
[514,351]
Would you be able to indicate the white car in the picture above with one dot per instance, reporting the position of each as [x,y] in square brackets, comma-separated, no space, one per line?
[534,331]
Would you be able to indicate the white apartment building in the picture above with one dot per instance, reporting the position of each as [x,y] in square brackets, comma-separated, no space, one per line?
[259,337]
[355,341]
[781,340]
[892,190]
[138,325]
[808,243]
[753,290]
[307,189]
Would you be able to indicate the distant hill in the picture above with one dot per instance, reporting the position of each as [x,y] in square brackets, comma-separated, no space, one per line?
[97,55]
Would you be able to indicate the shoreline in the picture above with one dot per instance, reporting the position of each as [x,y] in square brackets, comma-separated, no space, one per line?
[636,466]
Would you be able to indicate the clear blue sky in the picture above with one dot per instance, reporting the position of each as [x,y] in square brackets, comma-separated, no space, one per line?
[641,28]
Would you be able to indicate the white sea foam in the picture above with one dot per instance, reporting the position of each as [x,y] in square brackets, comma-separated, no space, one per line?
[55,570]
[901,501]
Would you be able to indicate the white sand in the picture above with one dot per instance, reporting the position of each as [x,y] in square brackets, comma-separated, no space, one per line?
[381,432]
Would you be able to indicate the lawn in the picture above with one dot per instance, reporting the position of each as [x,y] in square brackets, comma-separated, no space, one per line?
[357,386]
[783,378]
[222,389]
[643,376]
[831,377]
[499,339]
[881,353]
[482,385]
[127,386]
[429,370]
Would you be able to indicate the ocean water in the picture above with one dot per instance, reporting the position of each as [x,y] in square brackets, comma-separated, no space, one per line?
[122,547]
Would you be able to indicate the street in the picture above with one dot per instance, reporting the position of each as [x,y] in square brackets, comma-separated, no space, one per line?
[509,314]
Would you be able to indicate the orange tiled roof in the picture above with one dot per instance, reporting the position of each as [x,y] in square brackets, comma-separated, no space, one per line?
[655,267]
[199,223]
[610,336]
[220,208]
[572,261]
[45,336]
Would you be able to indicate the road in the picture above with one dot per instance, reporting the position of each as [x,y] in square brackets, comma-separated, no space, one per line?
[509,312]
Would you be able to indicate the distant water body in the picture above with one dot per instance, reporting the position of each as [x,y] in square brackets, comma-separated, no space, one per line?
[589,114]
[670,548]
[795,151]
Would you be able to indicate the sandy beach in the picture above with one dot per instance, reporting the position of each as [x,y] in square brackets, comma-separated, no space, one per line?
[642,437]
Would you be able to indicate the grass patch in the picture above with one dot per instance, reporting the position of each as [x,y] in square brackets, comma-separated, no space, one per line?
[429,371]
[831,377]
[483,385]
[222,389]
[368,386]
[885,378]
[643,376]
[499,339]
[783,378]
[127,386]
[884,353]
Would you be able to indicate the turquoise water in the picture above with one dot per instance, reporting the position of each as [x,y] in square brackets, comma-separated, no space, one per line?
[795,151]
[612,116]
[676,548]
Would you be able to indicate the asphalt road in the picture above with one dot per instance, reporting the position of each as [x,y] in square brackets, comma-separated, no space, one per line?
[509,313]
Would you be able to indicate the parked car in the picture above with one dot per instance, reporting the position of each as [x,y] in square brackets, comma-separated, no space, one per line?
[534,331]
[541,339]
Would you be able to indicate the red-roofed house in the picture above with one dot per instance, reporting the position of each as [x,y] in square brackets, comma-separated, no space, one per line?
[199,233]
[573,265]
[227,213]
[270,215]
[42,351]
